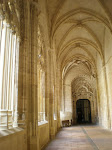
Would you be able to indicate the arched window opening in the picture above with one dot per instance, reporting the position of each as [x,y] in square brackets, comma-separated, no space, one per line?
[41,95]
[41,79]
[9,60]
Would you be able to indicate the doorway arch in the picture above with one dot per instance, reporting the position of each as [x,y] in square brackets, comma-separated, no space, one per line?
[83,111]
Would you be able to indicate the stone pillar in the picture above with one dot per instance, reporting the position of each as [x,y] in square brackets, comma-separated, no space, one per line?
[98,103]
[24,76]
[34,135]
[22,69]
[51,100]
[107,97]
[74,112]
[59,97]
[27,88]
[47,85]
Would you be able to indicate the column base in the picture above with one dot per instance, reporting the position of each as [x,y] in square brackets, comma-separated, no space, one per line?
[34,143]
[52,133]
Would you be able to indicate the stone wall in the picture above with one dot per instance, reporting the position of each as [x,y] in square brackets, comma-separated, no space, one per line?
[43,135]
[13,139]
[104,82]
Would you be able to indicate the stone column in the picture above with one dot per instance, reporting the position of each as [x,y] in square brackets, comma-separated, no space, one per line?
[107,96]
[51,101]
[34,135]
[74,111]
[24,76]
[47,84]
[59,97]
[98,103]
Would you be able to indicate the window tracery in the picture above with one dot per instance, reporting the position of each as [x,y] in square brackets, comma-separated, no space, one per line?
[9,59]
[41,79]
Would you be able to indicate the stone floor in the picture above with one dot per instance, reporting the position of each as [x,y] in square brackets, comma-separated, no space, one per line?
[82,138]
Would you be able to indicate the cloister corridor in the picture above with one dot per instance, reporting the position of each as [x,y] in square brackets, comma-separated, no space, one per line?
[84,137]
[55,73]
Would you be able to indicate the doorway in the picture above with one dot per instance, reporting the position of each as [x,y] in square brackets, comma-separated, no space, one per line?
[83,111]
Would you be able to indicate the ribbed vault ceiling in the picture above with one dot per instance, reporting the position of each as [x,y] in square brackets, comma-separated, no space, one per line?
[77,29]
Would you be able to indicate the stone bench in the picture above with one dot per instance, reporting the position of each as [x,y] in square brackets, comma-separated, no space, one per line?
[65,123]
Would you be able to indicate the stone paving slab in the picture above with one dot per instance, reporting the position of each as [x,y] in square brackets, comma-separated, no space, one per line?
[82,138]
